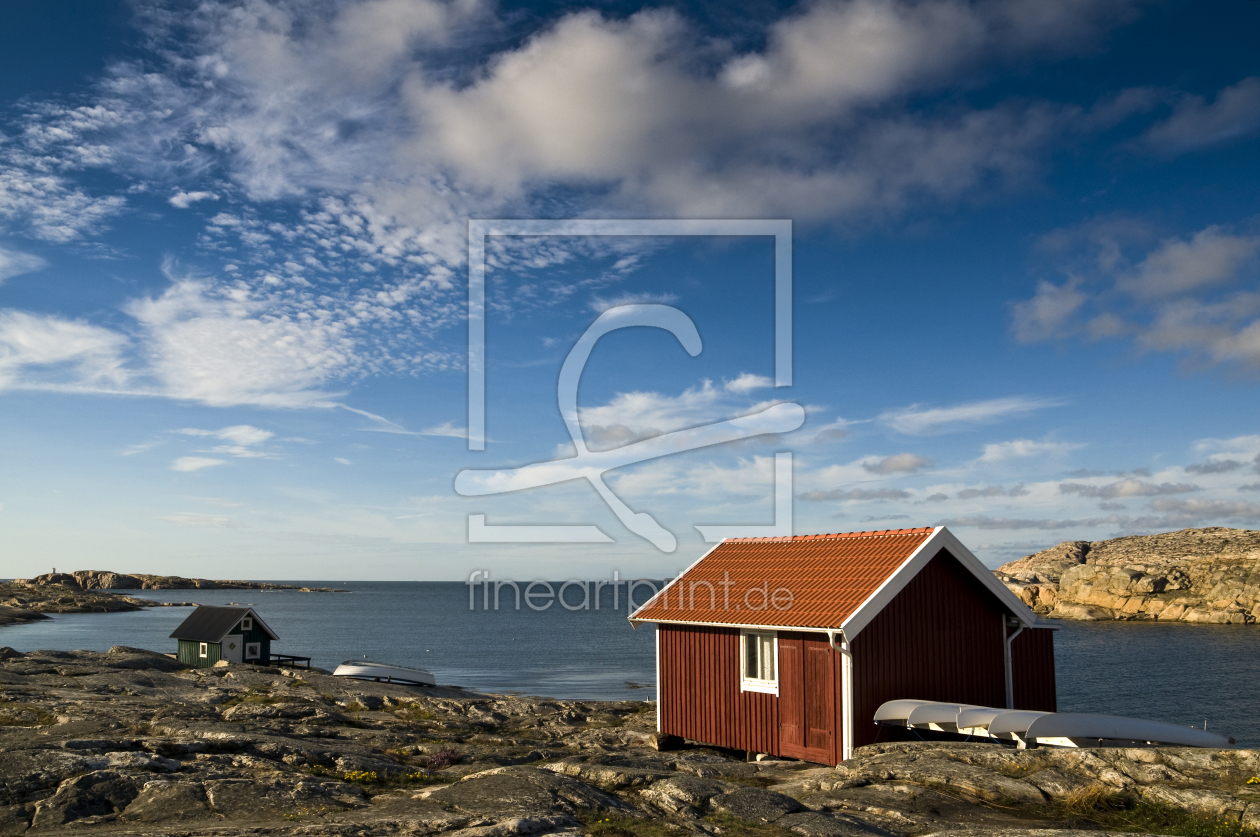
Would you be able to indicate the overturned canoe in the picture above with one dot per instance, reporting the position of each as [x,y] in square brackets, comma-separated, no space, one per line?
[368,670]
[1076,729]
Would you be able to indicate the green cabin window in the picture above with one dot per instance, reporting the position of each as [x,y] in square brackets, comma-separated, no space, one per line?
[203,650]
[247,624]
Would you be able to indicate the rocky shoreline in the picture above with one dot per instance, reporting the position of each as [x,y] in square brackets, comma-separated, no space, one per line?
[1209,576]
[130,742]
[27,603]
[110,580]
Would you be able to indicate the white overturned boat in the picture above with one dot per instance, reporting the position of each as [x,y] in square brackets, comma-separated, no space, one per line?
[384,672]
[1075,729]
[1026,728]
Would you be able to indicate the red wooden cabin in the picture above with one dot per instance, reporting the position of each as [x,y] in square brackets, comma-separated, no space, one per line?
[787,646]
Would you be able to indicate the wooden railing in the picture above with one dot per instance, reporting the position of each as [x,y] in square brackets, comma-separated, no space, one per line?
[286,660]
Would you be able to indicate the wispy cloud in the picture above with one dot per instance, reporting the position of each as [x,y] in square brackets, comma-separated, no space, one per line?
[1125,488]
[1186,294]
[855,494]
[194,463]
[1196,124]
[14,263]
[1024,448]
[39,350]
[183,200]
[901,463]
[920,421]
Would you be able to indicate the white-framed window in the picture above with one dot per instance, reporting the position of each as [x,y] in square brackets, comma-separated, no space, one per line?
[247,624]
[253,650]
[759,662]
[203,650]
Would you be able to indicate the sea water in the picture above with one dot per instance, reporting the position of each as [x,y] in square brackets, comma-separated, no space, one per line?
[1183,674]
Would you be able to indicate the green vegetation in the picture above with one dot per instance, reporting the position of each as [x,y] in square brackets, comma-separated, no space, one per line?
[414,712]
[1100,807]
[600,824]
[14,714]
[252,697]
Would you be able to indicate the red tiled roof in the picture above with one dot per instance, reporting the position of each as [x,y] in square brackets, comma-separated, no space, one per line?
[821,579]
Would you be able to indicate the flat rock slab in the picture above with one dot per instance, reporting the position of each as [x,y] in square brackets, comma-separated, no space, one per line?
[816,824]
[523,791]
[756,804]
[168,800]
[99,793]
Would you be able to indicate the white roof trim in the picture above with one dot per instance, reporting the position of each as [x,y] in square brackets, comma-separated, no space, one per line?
[250,614]
[671,583]
[940,539]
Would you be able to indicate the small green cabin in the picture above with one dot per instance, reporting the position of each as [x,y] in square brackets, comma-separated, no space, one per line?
[235,634]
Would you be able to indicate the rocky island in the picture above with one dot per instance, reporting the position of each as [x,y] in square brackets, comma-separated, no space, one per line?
[1195,575]
[130,742]
[90,591]
[110,580]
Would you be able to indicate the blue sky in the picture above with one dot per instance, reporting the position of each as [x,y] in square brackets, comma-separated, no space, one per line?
[233,278]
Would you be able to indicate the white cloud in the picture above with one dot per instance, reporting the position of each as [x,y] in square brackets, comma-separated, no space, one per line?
[859,494]
[183,200]
[1049,313]
[223,348]
[747,382]
[901,463]
[48,352]
[1182,294]
[600,304]
[1125,488]
[240,434]
[446,428]
[631,416]
[48,206]
[1023,448]
[918,421]
[1210,509]
[1195,124]
[1211,257]
[342,460]
[242,438]
[14,263]
[194,463]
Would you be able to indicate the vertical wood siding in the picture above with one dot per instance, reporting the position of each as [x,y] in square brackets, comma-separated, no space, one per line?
[941,638]
[1032,669]
[699,695]
[188,653]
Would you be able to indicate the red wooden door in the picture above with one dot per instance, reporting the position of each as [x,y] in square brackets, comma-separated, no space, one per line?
[807,707]
[791,701]
[820,707]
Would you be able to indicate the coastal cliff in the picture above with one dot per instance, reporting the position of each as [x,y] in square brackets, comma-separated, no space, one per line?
[131,742]
[110,580]
[1195,575]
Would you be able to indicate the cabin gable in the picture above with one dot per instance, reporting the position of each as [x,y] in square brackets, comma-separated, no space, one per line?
[940,638]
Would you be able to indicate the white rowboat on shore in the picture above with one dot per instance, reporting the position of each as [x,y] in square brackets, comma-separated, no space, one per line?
[384,672]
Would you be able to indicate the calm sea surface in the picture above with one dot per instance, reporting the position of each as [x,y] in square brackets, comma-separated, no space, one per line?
[1183,674]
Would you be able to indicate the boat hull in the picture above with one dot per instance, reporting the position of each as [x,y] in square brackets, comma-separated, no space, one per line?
[385,673]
